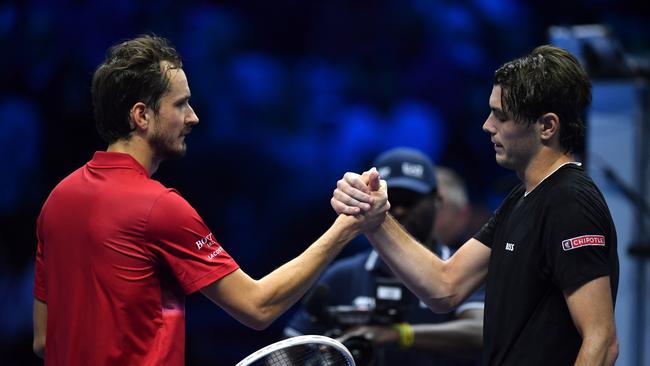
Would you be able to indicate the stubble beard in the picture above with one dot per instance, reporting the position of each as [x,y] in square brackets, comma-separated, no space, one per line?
[165,146]
[510,163]
[504,162]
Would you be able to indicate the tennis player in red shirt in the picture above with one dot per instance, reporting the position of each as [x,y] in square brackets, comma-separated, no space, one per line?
[118,251]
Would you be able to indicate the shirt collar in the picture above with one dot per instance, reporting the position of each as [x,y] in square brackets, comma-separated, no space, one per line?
[575,163]
[106,159]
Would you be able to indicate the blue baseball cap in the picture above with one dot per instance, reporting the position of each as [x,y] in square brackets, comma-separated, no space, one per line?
[406,168]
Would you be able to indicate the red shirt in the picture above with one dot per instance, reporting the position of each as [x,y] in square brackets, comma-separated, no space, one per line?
[117,253]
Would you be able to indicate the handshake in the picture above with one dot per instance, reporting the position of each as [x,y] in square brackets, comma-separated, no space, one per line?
[363,197]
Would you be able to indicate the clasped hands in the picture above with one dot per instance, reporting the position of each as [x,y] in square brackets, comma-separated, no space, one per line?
[363,196]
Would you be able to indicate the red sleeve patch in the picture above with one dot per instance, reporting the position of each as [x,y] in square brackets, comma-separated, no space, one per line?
[582,241]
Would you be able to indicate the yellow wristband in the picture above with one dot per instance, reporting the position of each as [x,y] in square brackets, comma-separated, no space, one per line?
[406,335]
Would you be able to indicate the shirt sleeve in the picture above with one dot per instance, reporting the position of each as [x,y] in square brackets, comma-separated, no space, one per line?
[577,247]
[486,233]
[178,236]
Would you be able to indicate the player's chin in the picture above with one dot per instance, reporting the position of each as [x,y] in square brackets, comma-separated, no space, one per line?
[506,163]
[181,146]
[177,152]
[181,151]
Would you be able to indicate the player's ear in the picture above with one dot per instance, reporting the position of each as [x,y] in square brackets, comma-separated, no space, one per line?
[549,124]
[140,116]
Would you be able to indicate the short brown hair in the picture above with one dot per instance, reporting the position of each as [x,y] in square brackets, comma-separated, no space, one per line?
[130,73]
[550,79]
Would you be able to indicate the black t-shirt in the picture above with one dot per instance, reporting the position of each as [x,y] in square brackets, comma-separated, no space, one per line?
[558,237]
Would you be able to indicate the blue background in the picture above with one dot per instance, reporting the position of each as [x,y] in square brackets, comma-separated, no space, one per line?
[290,95]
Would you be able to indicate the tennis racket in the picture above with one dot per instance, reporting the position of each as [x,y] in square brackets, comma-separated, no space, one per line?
[305,350]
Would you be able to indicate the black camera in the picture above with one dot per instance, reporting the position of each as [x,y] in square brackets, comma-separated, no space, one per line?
[387,307]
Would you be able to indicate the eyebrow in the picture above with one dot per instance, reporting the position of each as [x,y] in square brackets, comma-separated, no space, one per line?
[183,98]
[499,112]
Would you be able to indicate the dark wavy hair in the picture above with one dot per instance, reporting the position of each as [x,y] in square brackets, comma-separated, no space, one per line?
[130,73]
[550,79]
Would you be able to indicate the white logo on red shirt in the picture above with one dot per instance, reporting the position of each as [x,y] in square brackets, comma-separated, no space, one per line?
[215,253]
[207,240]
[582,241]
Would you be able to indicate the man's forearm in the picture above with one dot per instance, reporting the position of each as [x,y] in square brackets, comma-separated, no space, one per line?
[598,351]
[415,265]
[256,303]
[461,338]
[40,327]
[442,285]
[288,283]
[592,311]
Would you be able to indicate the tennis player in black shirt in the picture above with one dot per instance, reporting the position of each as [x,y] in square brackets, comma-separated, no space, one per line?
[548,254]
